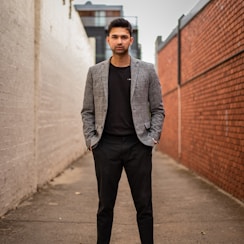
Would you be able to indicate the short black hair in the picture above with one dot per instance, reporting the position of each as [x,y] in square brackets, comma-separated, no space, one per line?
[120,22]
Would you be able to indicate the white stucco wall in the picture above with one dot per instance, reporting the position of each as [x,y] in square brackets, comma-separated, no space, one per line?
[45,56]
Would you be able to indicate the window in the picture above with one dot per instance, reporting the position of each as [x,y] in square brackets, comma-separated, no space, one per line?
[100,18]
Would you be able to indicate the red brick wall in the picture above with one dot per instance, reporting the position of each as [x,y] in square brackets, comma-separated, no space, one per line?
[169,137]
[212,95]
[167,66]
[167,63]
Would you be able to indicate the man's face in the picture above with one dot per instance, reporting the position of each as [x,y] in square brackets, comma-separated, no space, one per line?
[119,40]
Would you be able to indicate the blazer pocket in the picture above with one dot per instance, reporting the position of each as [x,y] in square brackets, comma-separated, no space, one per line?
[94,146]
[147,125]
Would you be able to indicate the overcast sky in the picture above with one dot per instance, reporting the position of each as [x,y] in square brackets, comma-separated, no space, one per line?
[155,18]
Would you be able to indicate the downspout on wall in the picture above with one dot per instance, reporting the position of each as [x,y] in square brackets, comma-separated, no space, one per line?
[179,84]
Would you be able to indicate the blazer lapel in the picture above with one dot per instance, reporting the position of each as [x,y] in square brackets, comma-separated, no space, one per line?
[104,74]
[134,75]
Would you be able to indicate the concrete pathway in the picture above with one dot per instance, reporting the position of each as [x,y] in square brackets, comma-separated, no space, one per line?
[186,210]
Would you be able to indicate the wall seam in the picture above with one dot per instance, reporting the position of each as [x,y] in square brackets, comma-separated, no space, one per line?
[37,31]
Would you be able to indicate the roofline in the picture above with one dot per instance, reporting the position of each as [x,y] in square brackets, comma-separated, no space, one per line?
[89,6]
[183,22]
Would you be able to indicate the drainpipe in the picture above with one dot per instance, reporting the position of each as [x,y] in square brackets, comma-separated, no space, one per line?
[179,85]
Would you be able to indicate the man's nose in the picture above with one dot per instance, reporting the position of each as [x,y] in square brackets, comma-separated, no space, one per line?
[119,40]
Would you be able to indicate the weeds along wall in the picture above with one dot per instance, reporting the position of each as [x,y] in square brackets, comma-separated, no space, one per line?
[45,54]
[205,113]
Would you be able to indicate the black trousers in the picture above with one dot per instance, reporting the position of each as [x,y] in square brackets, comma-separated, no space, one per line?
[111,156]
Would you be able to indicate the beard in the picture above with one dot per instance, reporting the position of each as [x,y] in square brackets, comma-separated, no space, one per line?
[119,50]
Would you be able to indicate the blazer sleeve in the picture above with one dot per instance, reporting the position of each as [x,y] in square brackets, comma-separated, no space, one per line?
[88,110]
[156,105]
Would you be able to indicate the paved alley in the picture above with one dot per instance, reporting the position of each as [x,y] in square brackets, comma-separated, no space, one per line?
[186,210]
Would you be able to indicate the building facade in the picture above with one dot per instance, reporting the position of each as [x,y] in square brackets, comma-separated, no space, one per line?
[96,18]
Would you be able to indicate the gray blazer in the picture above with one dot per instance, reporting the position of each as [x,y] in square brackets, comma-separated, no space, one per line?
[146,102]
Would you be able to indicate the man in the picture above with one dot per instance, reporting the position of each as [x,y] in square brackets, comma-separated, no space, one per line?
[122,120]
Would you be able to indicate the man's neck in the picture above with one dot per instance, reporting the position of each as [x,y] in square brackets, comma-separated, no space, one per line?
[120,61]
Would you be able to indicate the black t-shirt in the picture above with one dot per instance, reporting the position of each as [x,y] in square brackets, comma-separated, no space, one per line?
[119,116]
